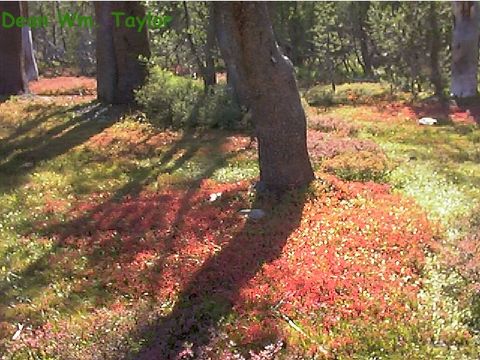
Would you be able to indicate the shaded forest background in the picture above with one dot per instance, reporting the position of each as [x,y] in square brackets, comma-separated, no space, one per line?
[404,43]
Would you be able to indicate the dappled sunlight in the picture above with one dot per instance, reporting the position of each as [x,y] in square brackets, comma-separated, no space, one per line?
[153,245]
[133,243]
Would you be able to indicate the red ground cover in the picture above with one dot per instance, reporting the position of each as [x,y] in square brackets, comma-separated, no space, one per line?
[351,251]
[64,85]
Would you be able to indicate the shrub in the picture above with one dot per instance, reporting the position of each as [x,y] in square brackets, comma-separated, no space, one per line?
[360,166]
[219,109]
[333,124]
[178,102]
[169,100]
[322,146]
[355,93]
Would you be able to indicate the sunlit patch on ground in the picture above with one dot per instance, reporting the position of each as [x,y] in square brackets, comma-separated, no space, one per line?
[64,85]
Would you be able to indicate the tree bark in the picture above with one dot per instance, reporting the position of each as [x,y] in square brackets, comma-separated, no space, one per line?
[435,73]
[209,76]
[12,63]
[207,69]
[363,37]
[465,49]
[119,69]
[31,69]
[278,116]
[235,76]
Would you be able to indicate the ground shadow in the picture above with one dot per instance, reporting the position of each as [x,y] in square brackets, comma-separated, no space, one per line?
[111,215]
[12,142]
[447,113]
[213,290]
[25,155]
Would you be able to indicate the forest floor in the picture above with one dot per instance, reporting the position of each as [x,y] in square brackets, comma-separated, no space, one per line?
[121,240]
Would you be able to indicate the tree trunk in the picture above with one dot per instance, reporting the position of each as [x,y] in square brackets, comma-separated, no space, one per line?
[235,78]
[363,8]
[62,31]
[465,49]
[31,69]
[119,70]
[277,112]
[12,71]
[207,70]
[209,76]
[435,74]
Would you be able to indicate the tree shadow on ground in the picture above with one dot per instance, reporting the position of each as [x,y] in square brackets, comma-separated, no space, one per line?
[213,290]
[23,156]
[11,142]
[448,113]
[83,234]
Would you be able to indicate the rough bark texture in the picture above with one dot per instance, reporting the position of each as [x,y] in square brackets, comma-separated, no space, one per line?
[465,49]
[119,70]
[278,116]
[12,72]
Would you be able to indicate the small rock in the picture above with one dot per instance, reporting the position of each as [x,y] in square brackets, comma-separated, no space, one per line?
[254,214]
[27,165]
[215,196]
[17,334]
[427,121]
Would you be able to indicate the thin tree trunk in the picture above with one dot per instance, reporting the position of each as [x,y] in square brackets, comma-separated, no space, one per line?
[435,74]
[209,77]
[62,31]
[207,70]
[119,69]
[12,62]
[465,49]
[363,37]
[31,69]
[277,112]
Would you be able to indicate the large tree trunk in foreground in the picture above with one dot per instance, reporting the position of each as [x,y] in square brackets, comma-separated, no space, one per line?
[277,112]
[119,70]
[12,71]
[465,49]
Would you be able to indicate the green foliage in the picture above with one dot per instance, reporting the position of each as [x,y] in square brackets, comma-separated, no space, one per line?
[353,93]
[61,50]
[169,100]
[358,166]
[180,102]
[169,44]
[219,109]
[402,33]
